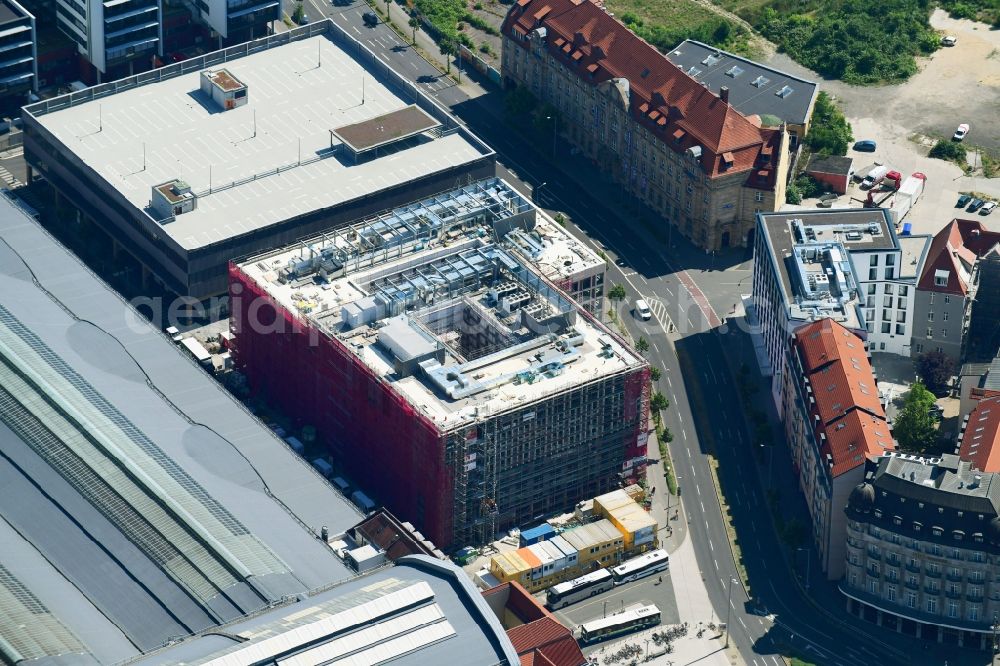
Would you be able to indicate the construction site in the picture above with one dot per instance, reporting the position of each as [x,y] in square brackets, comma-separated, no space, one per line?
[441,364]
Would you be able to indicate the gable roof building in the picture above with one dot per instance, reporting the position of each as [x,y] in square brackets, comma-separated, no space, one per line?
[538,637]
[638,98]
[952,280]
[755,89]
[835,422]
[980,440]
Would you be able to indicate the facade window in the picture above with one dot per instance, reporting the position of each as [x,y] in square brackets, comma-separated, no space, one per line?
[890,273]
[911,599]
[931,301]
[930,316]
[947,298]
[944,332]
[930,333]
[890,260]
[974,613]
[887,302]
[903,290]
[886,326]
[900,329]
[944,316]
[873,586]
[758,196]
[873,260]
[932,605]
[872,274]
[890,593]
[871,289]
[952,609]
[888,289]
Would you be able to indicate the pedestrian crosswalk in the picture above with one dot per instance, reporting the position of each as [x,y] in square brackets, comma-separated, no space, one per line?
[9,178]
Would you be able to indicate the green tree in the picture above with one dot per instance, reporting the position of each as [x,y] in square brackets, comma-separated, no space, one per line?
[298,13]
[519,101]
[642,346]
[617,292]
[914,426]
[658,402]
[936,369]
[448,47]
[829,131]
[414,23]
[655,373]
[949,150]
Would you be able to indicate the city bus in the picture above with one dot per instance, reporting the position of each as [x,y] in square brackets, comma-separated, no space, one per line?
[627,622]
[646,564]
[574,590]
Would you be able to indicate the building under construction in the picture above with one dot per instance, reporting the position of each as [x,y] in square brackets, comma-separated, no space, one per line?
[442,366]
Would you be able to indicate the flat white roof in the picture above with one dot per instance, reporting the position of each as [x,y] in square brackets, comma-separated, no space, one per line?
[298,92]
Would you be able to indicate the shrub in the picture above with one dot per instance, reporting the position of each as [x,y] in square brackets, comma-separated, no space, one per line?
[949,150]
[829,131]
[792,194]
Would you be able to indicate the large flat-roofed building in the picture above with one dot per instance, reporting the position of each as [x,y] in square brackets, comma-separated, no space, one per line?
[755,89]
[247,149]
[447,374]
[846,264]
[681,148]
[420,611]
[141,503]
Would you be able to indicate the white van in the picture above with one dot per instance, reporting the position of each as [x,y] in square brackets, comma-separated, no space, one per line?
[874,177]
[641,309]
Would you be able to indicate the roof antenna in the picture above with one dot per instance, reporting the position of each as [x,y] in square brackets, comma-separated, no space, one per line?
[100,117]
[254,124]
[319,53]
[143,155]
[362,88]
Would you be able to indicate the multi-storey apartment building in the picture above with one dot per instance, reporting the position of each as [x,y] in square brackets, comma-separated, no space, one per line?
[18,52]
[923,548]
[834,422]
[847,264]
[237,21]
[118,38]
[948,287]
[675,145]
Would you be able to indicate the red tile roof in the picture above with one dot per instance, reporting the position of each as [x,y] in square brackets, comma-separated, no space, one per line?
[981,440]
[546,642]
[851,424]
[598,48]
[955,249]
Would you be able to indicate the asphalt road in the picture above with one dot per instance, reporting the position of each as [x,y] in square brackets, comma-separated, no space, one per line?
[778,615]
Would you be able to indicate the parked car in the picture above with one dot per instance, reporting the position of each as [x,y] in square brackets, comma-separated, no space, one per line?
[960,133]
[304,19]
[370,19]
[975,205]
[866,146]
[949,40]
[642,310]
[963,201]
[987,207]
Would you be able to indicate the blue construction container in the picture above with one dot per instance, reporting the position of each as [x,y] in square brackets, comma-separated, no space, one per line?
[537,534]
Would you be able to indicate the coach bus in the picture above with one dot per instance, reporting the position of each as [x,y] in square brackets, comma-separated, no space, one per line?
[574,590]
[646,564]
[628,622]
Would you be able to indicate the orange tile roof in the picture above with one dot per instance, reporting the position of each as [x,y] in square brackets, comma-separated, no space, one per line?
[546,641]
[981,440]
[655,84]
[851,424]
[529,557]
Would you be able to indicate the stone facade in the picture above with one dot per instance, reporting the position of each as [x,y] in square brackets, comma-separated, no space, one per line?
[923,549]
[714,211]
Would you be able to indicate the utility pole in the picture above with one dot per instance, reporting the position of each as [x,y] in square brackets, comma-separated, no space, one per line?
[996,645]
[729,609]
[808,553]
[555,131]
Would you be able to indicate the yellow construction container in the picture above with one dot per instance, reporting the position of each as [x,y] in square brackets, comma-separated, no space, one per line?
[600,544]
[510,566]
[634,522]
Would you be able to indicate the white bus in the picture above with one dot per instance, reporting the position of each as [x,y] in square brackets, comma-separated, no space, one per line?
[574,590]
[646,564]
[636,619]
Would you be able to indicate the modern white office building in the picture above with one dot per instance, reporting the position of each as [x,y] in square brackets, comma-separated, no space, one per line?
[114,35]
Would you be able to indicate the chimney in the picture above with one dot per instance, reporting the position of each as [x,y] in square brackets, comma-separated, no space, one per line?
[724,94]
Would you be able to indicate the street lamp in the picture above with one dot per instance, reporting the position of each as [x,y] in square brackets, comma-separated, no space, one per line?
[808,563]
[605,614]
[555,131]
[537,193]
[996,645]
[729,609]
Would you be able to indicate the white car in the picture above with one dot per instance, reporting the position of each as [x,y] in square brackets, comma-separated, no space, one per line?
[949,40]
[641,309]
[960,133]
[987,207]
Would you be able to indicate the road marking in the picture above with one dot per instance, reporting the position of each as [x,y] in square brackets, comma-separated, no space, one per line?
[699,490]
[702,506]
[685,434]
[743,623]
[657,349]
[670,384]
[716,563]
[711,546]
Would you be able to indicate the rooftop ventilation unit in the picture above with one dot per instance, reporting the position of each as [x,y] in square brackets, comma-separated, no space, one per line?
[784,92]
[760,82]
[223,88]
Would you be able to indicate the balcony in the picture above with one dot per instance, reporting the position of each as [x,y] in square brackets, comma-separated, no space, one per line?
[953,594]
[912,584]
[954,577]
[975,598]
[932,590]
[932,573]
[913,567]
[872,555]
